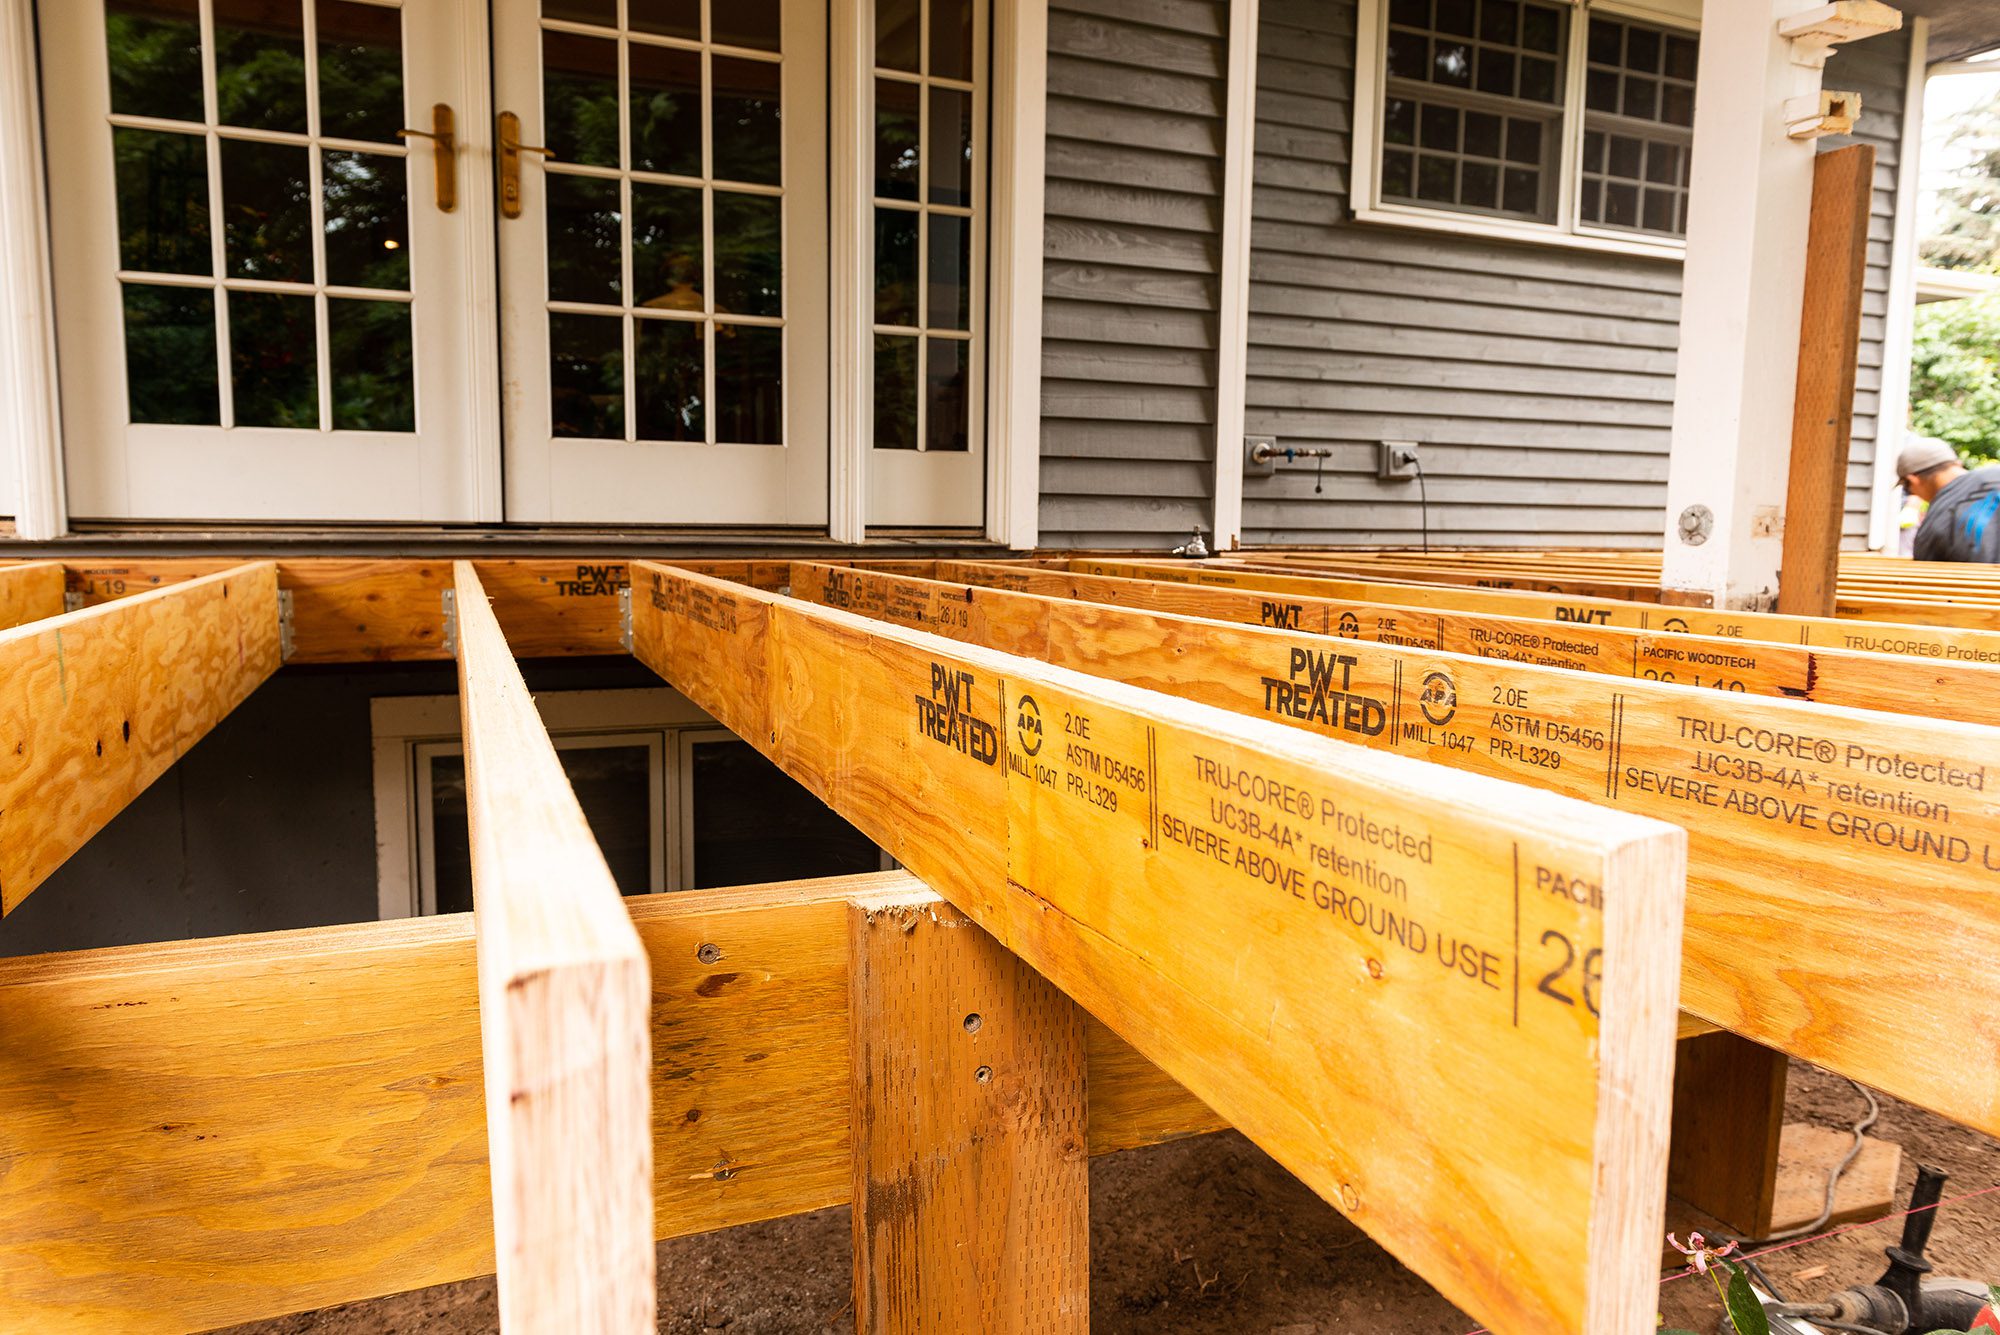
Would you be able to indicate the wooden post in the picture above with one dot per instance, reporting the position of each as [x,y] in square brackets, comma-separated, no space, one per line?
[971,1182]
[1823,412]
[1729,1107]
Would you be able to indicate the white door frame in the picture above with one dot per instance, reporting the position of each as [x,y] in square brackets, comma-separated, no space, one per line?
[31,486]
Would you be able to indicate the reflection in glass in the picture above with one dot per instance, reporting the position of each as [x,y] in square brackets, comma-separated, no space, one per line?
[755,824]
[951,39]
[897,127]
[948,398]
[897,25]
[670,18]
[367,210]
[580,97]
[749,254]
[369,346]
[666,247]
[360,70]
[603,12]
[162,201]
[895,266]
[170,355]
[260,64]
[155,50]
[669,379]
[273,360]
[951,147]
[749,385]
[585,263]
[744,120]
[666,109]
[950,296]
[267,211]
[751,23]
[895,392]
[587,376]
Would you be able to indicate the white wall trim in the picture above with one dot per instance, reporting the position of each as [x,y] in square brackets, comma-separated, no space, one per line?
[1232,341]
[1014,317]
[481,263]
[30,419]
[1892,413]
[851,265]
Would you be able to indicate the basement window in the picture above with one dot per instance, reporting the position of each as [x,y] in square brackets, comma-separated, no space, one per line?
[1544,119]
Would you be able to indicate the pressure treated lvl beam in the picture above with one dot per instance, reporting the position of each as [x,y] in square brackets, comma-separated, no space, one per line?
[1967,692]
[96,704]
[29,592]
[1189,876]
[564,1000]
[1828,848]
[207,1132]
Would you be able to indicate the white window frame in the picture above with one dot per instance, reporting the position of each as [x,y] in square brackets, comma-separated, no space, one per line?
[1365,175]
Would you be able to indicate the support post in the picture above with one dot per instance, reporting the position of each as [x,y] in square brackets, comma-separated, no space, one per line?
[30,426]
[1823,411]
[1729,1107]
[1743,286]
[971,1178]
[1232,343]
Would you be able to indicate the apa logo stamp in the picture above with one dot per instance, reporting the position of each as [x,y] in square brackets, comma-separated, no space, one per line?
[1439,698]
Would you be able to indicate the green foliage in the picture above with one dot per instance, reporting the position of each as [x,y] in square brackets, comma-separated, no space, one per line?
[1745,1312]
[1968,231]
[1955,375]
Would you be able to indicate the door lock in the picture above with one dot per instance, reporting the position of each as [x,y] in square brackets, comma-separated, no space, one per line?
[511,149]
[444,143]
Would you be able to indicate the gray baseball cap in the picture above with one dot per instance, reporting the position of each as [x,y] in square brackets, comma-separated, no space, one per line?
[1922,454]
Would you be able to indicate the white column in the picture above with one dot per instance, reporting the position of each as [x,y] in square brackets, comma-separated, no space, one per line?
[1892,416]
[851,266]
[30,428]
[1743,284]
[1232,346]
[1014,321]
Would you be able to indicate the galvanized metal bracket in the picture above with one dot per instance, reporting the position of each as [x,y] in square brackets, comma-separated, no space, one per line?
[285,638]
[72,601]
[451,622]
[625,617]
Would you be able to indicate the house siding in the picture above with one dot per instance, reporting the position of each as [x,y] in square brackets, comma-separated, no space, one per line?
[1131,257]
[1539,380]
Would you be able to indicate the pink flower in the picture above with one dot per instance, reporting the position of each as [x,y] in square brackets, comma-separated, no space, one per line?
[1698,1252]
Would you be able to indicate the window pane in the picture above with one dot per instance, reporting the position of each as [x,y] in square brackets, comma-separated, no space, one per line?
[155,51]
[367,211]
[751,23]
[1497,71]
[604,12]
[669,379]
[895,392]
[755,824]
[951,39]
[1451,64]
[1400,122]
[587,376]
[1483,132]
[1452,16]
[1541,28]
[360,70]
[1479,184]
[273,360]
[896,34]
[896,138]
[584,240]
[170,355]
[1621,204]
[1642,49]
[1500,22]
[951,147]
[1437,180]
[1522,191]
[1606,41]
[947,409]
[667,247]
[162,201]
[1677,104]
[895,266]
[1642,97]
[1398,175]
[1440,128]
[670,18]
[950,295]
[580,97]
[267,205]
[260,64]
[666,109]
[1660,205]
[747,145]
[1600,90]
[1680,63]
[369,345]
[1409,55]
[1524,141]
[749,254]
[749,384]
[1538,80]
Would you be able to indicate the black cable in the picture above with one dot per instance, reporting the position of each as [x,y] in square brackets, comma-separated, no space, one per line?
[1424,495]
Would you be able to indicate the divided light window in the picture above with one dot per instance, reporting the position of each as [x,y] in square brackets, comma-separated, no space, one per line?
[1537,112]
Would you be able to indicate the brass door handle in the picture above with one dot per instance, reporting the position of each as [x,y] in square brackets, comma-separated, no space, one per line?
[444,142]
[511,149]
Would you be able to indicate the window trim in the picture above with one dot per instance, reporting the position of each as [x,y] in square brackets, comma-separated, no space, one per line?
[1365,173]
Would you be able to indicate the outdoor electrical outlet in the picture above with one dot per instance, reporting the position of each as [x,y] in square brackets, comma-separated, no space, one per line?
[1396,461]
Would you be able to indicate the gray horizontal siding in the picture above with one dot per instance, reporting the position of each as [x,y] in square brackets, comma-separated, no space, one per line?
[1540,380]
[1130,257]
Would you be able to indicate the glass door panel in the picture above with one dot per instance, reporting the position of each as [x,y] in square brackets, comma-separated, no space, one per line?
[663,277]
[262,284]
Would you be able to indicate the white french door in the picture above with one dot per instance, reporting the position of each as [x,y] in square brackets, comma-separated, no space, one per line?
[663,279]
[267,295]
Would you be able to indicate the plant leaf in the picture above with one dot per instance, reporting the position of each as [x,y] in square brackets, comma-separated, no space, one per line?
[1745,1312]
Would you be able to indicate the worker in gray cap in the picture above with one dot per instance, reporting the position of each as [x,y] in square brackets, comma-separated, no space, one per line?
[1961,523]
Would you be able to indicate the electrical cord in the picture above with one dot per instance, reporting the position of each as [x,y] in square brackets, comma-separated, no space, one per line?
[1860,1130]
[1424,495]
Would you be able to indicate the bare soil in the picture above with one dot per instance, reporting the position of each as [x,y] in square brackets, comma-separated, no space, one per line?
[1209,1235]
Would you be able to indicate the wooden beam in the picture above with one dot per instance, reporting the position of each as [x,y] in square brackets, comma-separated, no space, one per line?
[97,703]
[971,1185]
[1321,943]
[564,1002]
[1827,847]
[202,1133]
[1729,1108]
[1968,692]
[30,591]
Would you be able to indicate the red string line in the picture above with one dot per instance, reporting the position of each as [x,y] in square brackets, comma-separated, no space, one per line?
[1819,1237]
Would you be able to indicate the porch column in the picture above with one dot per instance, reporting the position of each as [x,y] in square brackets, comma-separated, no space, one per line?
[28,422]
[1743,285]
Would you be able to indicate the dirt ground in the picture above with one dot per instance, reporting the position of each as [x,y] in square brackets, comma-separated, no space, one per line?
[1208,1235]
